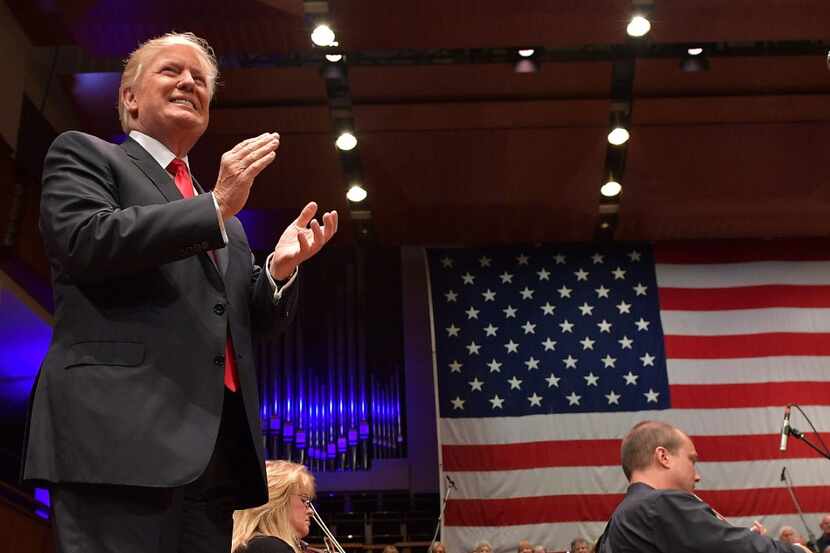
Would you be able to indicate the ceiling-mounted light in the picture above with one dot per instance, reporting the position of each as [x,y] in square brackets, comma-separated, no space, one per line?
[346,141]
[334,58]
[356,193]
[638,26]
[526,52]
[610,189]
[322,35]
[694,51]
[618,136]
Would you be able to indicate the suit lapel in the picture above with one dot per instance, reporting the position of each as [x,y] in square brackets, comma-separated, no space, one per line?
[150,167]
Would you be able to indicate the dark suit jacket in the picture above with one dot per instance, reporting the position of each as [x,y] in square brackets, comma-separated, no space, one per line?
[674,521]
[131,389]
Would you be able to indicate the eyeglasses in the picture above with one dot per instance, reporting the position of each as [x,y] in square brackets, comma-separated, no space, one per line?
[306,500]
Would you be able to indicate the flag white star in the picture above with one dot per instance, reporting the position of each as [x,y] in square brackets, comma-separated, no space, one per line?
[631,379]
[512,347]
[550,345]
[458,403]
[619,273]
[608,361]
[532,363]
[535,400]
[602,292]
[495,366]
[547,309]
[496,402]
[570,362]
[642,324]
[625,342]
[527,293]
[484,261]
[559,259]
[634,256]
[613,398]
[566,326]
[564,292]
[651,396]
[543,274]
[648,360]
[489,295]
[452,330]
[597,258]
[472,313]
[490,329]
[586,309]
[522,259]
[587,343]
[515,383]
[455,366]
[624,307]
[468,278]
[529,328]
[473,348]
[604,326]
[573,399]
[553,380]
[451,296]
[475,385]
[591,379]
[581,274]
[446,262]
[640,289]
[506,278]
[509,312]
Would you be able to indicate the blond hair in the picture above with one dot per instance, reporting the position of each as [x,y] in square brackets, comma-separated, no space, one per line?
[137,61]
[273,519]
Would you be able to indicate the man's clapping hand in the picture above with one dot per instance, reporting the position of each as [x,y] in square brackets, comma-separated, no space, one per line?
[303,238]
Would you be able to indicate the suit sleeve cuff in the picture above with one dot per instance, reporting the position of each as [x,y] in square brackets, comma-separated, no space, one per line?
[277,288]
[219,218]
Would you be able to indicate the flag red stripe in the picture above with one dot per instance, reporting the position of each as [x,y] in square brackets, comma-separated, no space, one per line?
[767,344]
[740,251]
[578,453]
[584,507]
[746,297]
[762,394]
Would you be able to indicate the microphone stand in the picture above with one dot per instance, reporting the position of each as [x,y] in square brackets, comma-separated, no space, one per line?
[450,488]
[785,477]
[792,431]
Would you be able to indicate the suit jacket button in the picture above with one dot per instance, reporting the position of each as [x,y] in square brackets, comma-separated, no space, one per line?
[219,361]
[219,309]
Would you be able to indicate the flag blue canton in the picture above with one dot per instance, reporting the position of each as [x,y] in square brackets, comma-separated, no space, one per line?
[552,330]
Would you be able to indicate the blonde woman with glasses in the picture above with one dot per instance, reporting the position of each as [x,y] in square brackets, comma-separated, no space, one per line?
[279,525]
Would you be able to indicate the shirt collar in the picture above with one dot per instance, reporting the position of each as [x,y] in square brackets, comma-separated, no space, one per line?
[156,149]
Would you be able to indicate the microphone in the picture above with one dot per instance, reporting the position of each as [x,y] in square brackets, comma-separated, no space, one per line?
[450,481]
[785,429]
[783,471]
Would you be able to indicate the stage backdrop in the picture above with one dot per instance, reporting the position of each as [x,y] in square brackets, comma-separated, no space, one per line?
[546,356]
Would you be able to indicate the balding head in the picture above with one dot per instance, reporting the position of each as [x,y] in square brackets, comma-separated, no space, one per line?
[637,451]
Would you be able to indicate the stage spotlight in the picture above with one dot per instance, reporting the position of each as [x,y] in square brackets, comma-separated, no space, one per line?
[356,193]
[618,136]
[694,51]
[346,141]
[610,189]
[334,58]
[638,26]
[526,52]
[322,35]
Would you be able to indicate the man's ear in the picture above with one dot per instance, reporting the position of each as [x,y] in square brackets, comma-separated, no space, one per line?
[130,102]
[661,456]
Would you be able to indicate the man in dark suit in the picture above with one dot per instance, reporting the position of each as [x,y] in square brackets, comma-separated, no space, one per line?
[145,418]
[661,514]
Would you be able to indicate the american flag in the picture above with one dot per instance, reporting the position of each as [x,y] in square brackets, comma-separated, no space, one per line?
[545,357]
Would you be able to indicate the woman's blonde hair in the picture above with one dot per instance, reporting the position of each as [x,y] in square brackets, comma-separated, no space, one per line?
[141,56]
[273,519]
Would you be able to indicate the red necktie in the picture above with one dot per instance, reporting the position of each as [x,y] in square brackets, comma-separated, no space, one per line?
[178,169]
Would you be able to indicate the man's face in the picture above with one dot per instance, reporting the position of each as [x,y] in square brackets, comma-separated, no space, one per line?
[682,465]
[825,524]
[525,548]
[171,97]
[581,547]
